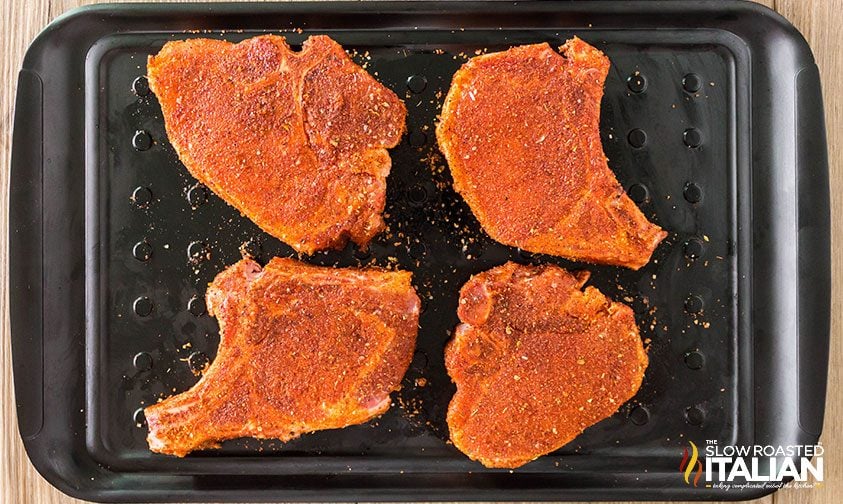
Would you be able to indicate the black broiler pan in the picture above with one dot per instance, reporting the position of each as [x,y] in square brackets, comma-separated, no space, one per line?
[712,120]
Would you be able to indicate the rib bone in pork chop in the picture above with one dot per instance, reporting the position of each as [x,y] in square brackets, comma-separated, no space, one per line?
[536,360]
[302,348]
[296,141]
[520,131]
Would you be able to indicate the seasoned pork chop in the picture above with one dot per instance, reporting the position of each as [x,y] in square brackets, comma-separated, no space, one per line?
[519,129]
[536,360]
[302,348]
[296,141]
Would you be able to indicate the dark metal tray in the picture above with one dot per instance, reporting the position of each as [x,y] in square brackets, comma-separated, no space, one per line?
[712,118]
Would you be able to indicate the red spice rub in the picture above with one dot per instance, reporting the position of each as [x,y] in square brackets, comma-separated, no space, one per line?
[520,130]
[302,348]
[295,141]
[536,360]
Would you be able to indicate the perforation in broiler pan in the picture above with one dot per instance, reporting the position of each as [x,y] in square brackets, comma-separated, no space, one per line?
[666,127]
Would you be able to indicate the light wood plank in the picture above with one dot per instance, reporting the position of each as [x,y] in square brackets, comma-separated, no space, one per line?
[21,21]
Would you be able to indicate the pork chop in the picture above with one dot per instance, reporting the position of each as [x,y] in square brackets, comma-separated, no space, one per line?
[296,141]
[536,360]
[302,348]
[520,131]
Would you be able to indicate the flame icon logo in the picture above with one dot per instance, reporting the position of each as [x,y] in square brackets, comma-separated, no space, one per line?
[689,463]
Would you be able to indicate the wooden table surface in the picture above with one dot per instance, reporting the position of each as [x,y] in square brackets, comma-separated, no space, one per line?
[23,19]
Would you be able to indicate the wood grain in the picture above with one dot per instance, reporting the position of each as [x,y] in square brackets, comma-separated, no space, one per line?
[22,20]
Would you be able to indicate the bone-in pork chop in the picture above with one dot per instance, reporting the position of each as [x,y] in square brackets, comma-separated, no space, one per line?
[302,348]
[296,141]
[536,360]
[519,129]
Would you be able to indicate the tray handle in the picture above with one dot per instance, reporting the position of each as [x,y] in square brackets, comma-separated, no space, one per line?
[25,254]
[814,250]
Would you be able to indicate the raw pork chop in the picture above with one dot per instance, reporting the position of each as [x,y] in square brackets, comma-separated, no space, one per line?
[536,360]
[294,140]
[302,348]
[519,129]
